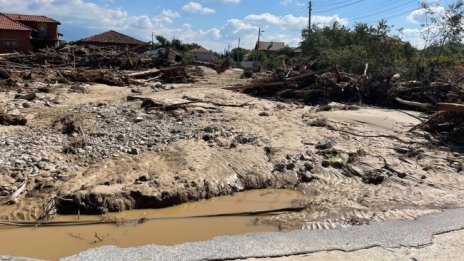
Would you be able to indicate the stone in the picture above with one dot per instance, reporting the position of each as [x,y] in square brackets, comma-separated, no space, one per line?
[291,166]
[325,144]
[138,119]
[134,151]
[264,114]
[28,97]
[308,166]
[210,128]
[336,162]
[306,176]
[26,105]
[280,167]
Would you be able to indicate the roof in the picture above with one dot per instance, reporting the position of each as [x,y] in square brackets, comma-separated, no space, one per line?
[199,49]
[8,24]
[32,18]
[112,37]
[270,46]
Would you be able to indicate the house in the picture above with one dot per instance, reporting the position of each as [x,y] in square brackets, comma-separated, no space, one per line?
[166,53]
[297,51]
[20,32]
[113,39]
[270,48]
[201,54]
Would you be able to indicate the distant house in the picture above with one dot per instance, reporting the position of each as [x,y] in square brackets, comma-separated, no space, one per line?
[201,54]
[297,51]
[20,32]
[111,38]
[270,48]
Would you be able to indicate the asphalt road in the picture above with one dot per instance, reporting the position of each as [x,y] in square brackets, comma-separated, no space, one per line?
[392,234]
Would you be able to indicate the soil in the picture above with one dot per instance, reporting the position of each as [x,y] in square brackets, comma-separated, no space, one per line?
[355,164]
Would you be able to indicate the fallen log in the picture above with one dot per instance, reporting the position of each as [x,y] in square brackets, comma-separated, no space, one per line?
[448,107]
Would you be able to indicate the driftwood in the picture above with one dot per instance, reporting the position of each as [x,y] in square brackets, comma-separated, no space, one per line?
[14,197]
[448,107]
[149,103]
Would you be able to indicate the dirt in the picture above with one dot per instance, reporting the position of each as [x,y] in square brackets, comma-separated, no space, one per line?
[355,166]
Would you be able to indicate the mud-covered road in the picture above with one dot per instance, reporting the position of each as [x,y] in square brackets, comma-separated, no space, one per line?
[88,150]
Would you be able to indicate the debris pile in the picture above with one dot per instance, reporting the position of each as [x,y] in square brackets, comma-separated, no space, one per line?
[90,64]
[323,87]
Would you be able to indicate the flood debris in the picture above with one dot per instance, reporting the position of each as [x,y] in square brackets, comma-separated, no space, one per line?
[90,64]
[325,86]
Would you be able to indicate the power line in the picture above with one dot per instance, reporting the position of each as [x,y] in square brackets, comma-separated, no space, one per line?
[384,11]
[339,7]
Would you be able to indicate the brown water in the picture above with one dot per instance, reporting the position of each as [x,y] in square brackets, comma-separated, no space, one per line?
[56,242]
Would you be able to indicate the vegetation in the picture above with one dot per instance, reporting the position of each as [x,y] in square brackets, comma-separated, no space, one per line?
[379,46]
[177,44]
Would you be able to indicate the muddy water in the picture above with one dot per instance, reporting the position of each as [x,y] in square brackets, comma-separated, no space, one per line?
[56,242]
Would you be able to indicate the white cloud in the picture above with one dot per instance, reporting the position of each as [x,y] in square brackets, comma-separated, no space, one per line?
[167,16]
[295,21]
[418,16]
[194,7]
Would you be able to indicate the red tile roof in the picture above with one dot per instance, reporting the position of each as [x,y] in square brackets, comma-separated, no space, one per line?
[8,24]
[112,37]
[199,49]
[32,18]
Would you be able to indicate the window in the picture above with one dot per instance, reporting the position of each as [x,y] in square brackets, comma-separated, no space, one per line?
[43,30]
[9,43]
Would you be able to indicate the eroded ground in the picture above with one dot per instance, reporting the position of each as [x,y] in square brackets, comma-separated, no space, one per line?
[88,150]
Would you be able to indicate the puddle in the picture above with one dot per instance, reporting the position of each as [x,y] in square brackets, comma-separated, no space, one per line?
[56,242]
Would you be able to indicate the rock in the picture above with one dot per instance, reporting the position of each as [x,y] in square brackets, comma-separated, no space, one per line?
[28,97]
[336,162]
[373,178]
[210,128]
[280,167]
[291,166]
[42,165]
[306,176]
[264,114]
[325,163]
[325,144]
[138,119]
[402,150]
[137,90]
[134,151]
[26,105]
[308,166]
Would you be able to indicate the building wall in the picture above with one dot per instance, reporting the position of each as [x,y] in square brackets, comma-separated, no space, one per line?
[202,57]
[22,38]
[52,29]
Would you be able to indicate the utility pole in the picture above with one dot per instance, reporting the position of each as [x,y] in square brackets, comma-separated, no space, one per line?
[310,5]
[260,33]
[238,50]
[152,40]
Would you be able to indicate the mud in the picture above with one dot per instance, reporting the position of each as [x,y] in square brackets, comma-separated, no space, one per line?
[54,242]
[355,167]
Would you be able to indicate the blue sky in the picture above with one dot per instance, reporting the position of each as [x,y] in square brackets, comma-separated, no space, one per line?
[217,23]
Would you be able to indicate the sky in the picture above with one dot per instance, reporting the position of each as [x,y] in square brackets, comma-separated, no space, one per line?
[218,24]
